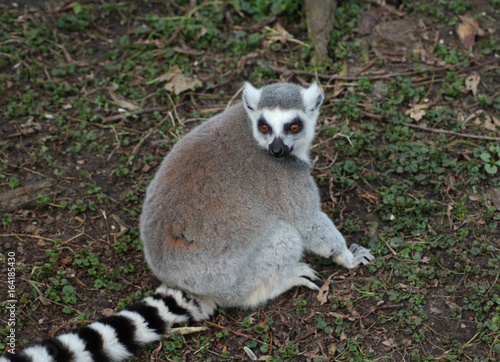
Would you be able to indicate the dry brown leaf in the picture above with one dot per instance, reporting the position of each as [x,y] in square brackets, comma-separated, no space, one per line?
[367,22]
[467,31]
[322,296]
[278,33]
[338,315]
[495,198]
[417,111]
[435,310]
[496,121]
[467,34]
[452,305]
[177,81]
[488,123]
[339,85]
[474,22]
[472,82]
[106,312]
[67,260]
[121,100]
[389,342]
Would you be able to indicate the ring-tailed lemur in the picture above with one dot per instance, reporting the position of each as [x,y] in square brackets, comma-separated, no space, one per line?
[224,223]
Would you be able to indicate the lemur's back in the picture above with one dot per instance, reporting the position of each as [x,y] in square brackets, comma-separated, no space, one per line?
[215,168]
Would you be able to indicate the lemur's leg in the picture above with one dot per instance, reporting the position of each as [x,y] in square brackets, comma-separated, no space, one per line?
[278,268]
[322,238]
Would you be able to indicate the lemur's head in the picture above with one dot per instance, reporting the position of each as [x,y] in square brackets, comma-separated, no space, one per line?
[283,117]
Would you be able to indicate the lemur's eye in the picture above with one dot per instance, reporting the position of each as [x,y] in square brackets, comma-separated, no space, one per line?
[295,127]
[264,128]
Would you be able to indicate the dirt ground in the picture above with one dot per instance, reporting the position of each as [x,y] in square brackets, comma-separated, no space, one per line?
[89,107]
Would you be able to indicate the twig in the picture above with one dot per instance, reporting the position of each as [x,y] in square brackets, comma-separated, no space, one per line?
[376,76]
[463,70]
[234,332]
[139,111]
[184,330]
[152,131]
[437,130]
[27,236]
[304,336]
[232,99]
[368,66]
[68,322]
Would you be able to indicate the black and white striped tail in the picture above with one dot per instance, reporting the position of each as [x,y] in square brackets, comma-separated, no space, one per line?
[116,338]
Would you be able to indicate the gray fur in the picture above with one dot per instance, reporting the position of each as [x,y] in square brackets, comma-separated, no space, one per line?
[284,97]
[225,220]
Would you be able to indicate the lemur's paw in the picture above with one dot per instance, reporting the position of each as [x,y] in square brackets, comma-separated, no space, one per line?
[361,255]
[306,276]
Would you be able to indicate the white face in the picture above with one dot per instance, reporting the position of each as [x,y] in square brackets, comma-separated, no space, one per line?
[284,132]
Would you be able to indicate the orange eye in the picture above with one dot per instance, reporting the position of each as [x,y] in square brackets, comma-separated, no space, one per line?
[295,128]
[264,128]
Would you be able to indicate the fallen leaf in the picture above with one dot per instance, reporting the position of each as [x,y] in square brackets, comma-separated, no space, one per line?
[435,310]
[496,121]
[471,83]
[389,342]
[250,353]
[467,34]
[322,296]
[495,198]
[33,230]
[121,100]
[407,342]
[339,85]
[488,123]
[475,197]
[367,22]
[338,315]
[178,82]
[106,312]
[453,305]
[467,31]
[124,228]
[278,33]
[417,111]
[66,261]
[474,22]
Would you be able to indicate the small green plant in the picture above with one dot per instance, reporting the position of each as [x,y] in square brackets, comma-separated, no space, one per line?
[301,307]
[491,159]
[260,10]
[6,220]
[322,324]
[78,207]
[79,19]
[13,182]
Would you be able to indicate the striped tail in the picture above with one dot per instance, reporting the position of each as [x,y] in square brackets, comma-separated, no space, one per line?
[117,337]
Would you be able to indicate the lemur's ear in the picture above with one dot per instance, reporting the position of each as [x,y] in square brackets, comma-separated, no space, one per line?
[312,97]
[251,97]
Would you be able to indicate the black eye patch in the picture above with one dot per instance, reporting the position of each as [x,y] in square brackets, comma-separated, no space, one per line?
[294,126]
[263,126]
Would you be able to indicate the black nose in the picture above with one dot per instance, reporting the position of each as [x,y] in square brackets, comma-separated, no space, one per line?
[278,149]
